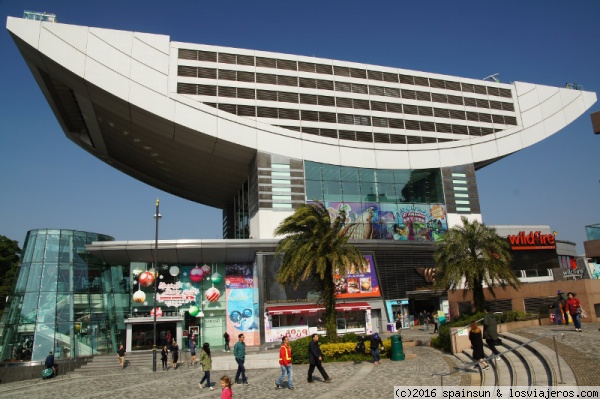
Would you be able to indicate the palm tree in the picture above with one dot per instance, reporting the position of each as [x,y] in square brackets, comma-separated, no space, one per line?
[316,247]
[473,255]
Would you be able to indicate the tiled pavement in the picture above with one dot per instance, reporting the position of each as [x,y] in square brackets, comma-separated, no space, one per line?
[359,380]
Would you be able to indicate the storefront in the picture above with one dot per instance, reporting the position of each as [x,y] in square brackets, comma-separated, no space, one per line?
[297,321]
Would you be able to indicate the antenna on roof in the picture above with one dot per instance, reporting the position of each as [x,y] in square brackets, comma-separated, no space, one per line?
[493,78]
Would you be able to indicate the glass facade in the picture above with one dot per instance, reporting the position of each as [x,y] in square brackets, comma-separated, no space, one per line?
[381,203]
[64,301]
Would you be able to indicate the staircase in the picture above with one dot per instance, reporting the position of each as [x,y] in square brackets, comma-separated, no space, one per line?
[522,362]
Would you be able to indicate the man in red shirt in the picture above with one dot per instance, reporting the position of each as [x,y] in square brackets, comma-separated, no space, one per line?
[573,306]
[285,361]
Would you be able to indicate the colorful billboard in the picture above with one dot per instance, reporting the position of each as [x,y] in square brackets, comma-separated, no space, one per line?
[356,284]
[242,304]
[387,221]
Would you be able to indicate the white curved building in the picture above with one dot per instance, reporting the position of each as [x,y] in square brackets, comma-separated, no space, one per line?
[257,133]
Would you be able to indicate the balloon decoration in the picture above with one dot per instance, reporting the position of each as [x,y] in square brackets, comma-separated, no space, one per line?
[159,312]
[206,269]
[212,294]
[216,278]
[196,275]
[194,310]
[139,297]
[174,271]
[146,279]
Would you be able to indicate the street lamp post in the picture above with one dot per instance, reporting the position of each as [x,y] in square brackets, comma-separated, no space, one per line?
[157,217]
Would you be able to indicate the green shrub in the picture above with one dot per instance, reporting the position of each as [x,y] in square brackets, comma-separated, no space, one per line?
[340,351]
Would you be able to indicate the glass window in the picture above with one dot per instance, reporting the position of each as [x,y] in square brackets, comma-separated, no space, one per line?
[331,172]
[367,175]
[49,276]
[29,308]
[314,190]
[39,246]
[52,246]
[312,170]
[385,176]
[401,176]
[349,174]
[47,308]
[332,191]
[33,282]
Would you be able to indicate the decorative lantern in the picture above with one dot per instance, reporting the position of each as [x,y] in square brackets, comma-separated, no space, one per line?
[139,297]
[146,279]
[194,310]
[196,275]
[206,269]
[212,294]
[216,278]
[174,271]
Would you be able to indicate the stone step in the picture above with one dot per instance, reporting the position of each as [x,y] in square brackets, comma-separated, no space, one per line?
[521,375]
[550,356]
[541,372]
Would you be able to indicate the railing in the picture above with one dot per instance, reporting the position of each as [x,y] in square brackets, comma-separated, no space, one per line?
[494,357]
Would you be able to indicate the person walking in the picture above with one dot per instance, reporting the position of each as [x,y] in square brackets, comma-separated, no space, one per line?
[573,305]
[163,357]
[193,352]
[121,355]
[436,321]
[375,344]
[226,392]
[226,338]
[425,321]
[490,330]
[559,309]
[239,353]
[398,323]
[315,356]
[175,354]
[477,345]
[285,361]
[206,362]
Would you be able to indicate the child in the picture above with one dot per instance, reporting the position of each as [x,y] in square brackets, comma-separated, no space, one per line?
[163,358]
[226,388]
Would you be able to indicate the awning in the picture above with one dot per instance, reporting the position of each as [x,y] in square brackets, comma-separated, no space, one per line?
[314,308]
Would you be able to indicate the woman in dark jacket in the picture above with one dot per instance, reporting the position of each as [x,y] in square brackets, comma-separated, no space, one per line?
[163,357]
[477,345]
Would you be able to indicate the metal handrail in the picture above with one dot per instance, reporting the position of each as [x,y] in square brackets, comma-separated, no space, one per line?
[464,328]
[492,357]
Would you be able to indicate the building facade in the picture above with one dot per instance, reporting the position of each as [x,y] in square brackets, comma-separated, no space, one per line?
[257,134]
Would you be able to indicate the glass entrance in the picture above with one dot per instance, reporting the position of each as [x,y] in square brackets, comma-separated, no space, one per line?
[142,335]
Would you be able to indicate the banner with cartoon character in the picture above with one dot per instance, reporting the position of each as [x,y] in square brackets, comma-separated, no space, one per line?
[242,306]
[390,221]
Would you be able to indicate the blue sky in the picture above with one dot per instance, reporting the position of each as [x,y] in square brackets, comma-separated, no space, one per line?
[49,182]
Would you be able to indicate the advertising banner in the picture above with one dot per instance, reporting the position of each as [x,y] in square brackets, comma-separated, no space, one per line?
[242,306]
[391,221]
[358,285]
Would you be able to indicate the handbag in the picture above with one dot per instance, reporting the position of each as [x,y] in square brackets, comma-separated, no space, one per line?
[583,314]
[579,310]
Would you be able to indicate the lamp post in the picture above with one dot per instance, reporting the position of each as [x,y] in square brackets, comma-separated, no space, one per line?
[157,217]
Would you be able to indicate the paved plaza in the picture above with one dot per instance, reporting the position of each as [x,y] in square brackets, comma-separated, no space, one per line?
[357,380]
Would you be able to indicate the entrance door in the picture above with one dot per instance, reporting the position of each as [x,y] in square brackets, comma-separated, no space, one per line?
[142,335]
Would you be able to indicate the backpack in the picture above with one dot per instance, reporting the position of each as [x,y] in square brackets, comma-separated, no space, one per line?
[360,345]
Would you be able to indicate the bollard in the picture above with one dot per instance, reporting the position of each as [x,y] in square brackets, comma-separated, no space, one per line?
[397,349]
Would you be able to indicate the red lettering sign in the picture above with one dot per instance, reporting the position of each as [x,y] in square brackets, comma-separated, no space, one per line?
[533,240]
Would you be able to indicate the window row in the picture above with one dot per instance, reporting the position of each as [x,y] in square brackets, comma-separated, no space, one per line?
[239,59]
[282,80]
[362,120]
[340,102]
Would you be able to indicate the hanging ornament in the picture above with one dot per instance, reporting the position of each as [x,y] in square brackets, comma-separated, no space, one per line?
[139,297]
[206,269]
[146,279]
[212,294]
[174,271]
[194,310]
[196,274]
[216,278]
[159,312]
[154,272]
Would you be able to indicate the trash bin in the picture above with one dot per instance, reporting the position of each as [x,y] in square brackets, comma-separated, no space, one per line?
[397,349]
[391,327]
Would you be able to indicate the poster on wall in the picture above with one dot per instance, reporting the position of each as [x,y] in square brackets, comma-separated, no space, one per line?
[390,221]
[356,284]
[242,306]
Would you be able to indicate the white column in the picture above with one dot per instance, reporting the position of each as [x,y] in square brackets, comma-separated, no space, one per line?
[128,337]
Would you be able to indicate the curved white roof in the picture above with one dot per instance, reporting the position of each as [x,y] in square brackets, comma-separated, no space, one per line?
[187,118]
